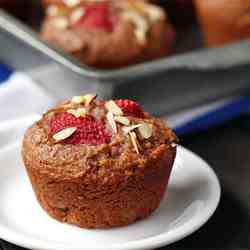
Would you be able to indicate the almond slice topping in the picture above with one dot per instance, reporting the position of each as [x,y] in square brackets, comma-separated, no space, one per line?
[64,134]
[89,98]
[86,99]
[127,130]
[60,22]
[78,99]
[76,15]
[123,120]
[80,112]
[52,10]
[134,141]
[145,130]
[155,13]
[141,25]
[71,3]
[111,121]
[66,106]
[112,107]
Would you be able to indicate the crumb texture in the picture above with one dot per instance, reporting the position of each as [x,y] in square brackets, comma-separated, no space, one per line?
[104,185]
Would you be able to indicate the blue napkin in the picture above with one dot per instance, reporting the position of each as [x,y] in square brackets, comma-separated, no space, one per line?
[5,73]
[218,115]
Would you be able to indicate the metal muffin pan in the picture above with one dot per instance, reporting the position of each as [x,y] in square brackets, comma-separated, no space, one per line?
[191,76]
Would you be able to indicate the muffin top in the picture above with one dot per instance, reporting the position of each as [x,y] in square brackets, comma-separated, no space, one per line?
[97,139]
[114,20]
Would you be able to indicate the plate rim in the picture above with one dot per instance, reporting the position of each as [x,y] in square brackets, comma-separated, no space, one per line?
[152,242]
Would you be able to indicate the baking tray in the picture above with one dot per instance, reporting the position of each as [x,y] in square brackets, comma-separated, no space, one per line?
[189,77]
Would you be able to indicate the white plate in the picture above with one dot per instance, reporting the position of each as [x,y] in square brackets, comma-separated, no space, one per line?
[191,199]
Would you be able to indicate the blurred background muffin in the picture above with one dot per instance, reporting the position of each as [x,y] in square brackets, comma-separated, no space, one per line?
[223,21]
[97,32]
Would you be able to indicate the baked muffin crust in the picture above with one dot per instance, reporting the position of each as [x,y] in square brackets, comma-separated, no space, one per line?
[100,185]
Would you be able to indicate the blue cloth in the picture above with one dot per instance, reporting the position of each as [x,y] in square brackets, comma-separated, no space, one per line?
[5,73]
[215,117]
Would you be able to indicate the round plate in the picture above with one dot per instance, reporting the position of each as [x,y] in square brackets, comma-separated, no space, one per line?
[192,197]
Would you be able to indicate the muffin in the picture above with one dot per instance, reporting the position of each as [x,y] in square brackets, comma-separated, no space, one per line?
[99,164]
[223,21]
[109,34]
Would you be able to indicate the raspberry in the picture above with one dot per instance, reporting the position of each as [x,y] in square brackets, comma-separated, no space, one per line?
[96,16]
[89,130]
[130,108]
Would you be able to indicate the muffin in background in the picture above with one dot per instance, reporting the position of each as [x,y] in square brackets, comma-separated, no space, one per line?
[223,21]
[99,164]
[109,34]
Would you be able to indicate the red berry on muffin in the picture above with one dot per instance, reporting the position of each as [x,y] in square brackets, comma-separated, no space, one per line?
[130,108]
[85,130]
[96,17]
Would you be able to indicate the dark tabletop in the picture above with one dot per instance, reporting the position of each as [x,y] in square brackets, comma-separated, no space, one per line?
[227,149]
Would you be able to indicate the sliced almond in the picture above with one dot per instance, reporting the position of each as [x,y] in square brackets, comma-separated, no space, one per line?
[123,120]
[73,112]
[52,10]
[76,15]
[56,10]
[72,3]
[132,5]
[127,130]
[134,141]
[80,112]
[60,22]
[89,98]
[64,134]
[78,99]
[140,36]
[111,121]
[140,22]
[155,13]
[86,99]
[145,130]
[112,107]
[66,106]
